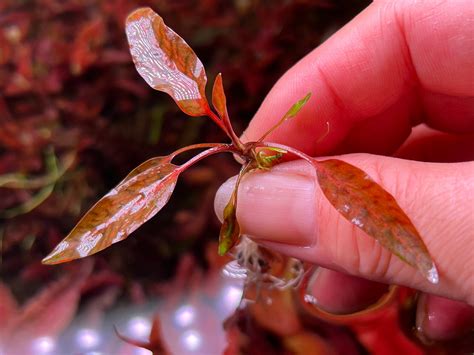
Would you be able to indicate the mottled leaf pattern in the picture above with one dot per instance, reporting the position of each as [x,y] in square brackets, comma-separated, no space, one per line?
[166,62]
[368,206]
[131,203]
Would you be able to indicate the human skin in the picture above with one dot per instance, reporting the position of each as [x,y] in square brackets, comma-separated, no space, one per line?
[397,65]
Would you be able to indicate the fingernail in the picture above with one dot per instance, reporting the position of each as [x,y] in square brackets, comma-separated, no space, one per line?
[440,318]
[273,206]
[339,293]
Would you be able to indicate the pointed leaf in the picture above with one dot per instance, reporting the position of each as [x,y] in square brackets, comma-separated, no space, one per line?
[292,112]
[230,229]
[166,62]
[218,97]
[368,206]
[141,195]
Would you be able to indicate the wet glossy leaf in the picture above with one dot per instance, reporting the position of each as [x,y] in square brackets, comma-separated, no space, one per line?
[230,229]
[131,203]
[166,62]
[368,206]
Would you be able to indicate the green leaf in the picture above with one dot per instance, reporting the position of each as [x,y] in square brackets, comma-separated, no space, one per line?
[166,61]
[368,206]
[292,112]
[46,183]
[142,194]
[230,229]
[295,109]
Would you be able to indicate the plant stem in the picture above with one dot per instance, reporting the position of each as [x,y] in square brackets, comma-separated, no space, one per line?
[216,148]
[225,125]
[195,146]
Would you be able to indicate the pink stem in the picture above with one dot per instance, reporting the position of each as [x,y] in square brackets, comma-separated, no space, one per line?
[225,125]
[220,148]
[194,146]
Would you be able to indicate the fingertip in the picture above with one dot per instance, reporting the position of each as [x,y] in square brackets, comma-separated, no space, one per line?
[222,197]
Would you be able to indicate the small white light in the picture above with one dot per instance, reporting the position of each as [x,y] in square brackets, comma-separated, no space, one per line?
[230,298]
[43,345]
[88,338]
[191,340]
[139,327]
[233,295]
[184,315]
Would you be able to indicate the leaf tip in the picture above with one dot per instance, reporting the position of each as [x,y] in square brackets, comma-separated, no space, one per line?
[58,255]
[49,260]
[138,13]
[52,259]
[432,275]
[222,249]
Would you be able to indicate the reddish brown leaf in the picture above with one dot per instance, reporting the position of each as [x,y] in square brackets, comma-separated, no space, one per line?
[218,97]
[166,62]
[141,195]
[368,206]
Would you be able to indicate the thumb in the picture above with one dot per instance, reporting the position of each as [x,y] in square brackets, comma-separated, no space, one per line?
[286,210]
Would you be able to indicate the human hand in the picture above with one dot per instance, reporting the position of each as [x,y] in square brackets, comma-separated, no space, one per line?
[397,65]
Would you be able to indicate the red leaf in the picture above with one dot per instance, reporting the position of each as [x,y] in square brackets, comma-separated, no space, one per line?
[218,97]
[86,47]
[166,62]
[141,195]
[368,206]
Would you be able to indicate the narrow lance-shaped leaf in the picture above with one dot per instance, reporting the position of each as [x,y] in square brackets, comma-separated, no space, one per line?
[219,100]
[142,194]
[368,206]
[230,229]
[166,62]
[292,112]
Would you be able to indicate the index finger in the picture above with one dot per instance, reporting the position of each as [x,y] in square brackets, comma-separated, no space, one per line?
[392,66]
